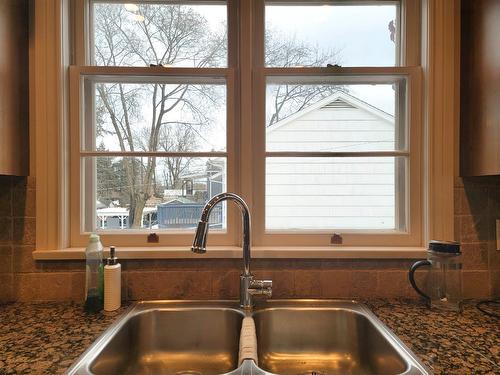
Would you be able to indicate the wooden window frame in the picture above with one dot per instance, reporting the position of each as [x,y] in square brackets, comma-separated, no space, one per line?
[412,236]
[138,237]
[84,67]
[408,57]
[439,69]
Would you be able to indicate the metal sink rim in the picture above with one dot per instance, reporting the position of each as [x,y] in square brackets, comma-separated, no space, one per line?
[414,365]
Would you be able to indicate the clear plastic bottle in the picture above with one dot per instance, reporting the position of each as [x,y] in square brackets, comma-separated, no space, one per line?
[94,288]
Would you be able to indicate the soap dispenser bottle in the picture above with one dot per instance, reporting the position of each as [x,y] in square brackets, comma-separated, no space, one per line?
[94,275]
[112,282]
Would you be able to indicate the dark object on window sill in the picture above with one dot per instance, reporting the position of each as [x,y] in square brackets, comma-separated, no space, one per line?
[153,238]
[336,239]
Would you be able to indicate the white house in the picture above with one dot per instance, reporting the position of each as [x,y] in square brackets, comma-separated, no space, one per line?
[316,193]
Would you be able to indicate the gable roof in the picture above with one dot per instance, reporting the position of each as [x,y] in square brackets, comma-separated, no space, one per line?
[337,100]
[181,200]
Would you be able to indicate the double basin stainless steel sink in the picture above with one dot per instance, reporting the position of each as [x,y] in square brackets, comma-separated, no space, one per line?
[294,337]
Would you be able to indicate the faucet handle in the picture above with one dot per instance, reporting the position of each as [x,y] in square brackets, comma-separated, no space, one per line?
[268,292]
[261,287]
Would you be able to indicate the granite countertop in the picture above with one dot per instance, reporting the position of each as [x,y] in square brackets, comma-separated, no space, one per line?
[45,338]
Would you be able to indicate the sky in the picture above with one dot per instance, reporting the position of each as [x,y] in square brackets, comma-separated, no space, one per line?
[359,34]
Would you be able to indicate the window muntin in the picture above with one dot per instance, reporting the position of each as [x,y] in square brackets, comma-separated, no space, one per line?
[259,157]
[165,33]
[362,34]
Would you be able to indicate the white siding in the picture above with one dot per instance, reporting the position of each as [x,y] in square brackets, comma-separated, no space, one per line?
[331,193]
[333,129]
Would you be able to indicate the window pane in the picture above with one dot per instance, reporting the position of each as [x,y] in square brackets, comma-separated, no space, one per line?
[168,117]
[317,35]
[332,117]
[170,34]
[151,193]
[335,193]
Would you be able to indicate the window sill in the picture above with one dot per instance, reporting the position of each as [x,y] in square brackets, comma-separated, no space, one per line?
[229,252]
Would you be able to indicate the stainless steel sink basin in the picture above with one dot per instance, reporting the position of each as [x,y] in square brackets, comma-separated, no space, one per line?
[294,337]
[338,338]
[167,340]
[323,341]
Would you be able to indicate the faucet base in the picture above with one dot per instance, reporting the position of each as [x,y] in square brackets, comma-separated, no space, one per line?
[246,300]
[250,287]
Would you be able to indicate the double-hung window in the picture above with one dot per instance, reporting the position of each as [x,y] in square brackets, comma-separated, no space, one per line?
[154,98]
[310,110]
[337,124]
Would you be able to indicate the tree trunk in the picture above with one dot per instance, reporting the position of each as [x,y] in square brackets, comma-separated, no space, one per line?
[136,210]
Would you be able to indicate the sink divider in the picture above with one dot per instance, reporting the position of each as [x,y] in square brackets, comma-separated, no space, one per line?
[248,341]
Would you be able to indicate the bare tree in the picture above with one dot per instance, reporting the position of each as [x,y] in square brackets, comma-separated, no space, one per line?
[171,35]
[167,37]
[286,52]
[180,139]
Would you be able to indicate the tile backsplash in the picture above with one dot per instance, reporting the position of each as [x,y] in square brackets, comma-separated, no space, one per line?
[477,205]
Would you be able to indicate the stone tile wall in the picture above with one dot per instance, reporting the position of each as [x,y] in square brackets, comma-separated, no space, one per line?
[17,230]
[477,203]
[477,206]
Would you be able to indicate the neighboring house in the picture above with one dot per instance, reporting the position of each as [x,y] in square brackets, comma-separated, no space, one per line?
[315,193]
[184,212]
[210,181]
[117,217]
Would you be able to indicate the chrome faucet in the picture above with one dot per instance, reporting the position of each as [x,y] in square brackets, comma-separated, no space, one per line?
[248,285]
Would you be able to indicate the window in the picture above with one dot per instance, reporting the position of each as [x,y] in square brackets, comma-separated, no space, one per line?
[155,118]
[337,125]
[317,124]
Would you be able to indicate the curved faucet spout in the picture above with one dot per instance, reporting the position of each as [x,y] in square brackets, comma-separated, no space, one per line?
[248,285]
[200,239]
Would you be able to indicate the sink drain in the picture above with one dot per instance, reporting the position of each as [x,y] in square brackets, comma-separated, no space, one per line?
[312,372]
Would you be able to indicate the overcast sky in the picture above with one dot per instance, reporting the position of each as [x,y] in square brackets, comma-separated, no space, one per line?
[360,35]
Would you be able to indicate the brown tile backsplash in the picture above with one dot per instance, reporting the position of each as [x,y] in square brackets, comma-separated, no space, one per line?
[475,256]
[308,283]
[5,230]
[24,202]
[476,284]
[5,197]
[6,287]
[24,230]
[23,260]
[6,259]
[394,283]
[225,284]
[477,205]
[364,284]
[333,284]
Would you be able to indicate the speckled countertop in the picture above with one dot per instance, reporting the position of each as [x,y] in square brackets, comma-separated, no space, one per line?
[46,338]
